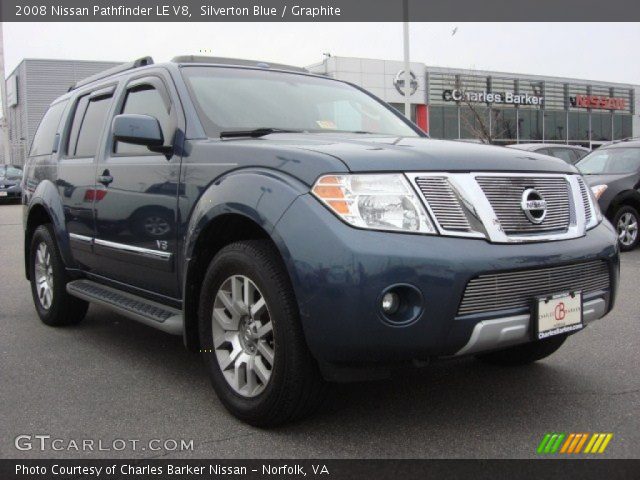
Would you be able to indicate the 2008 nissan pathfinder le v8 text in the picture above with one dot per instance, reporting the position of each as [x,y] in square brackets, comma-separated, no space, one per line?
[295,229]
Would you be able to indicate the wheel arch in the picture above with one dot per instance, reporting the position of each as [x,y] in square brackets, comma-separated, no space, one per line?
[44,207]
[244,205]
[625,198]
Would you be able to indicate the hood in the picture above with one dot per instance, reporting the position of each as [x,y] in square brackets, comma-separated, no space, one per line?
[609,179]
[373,153]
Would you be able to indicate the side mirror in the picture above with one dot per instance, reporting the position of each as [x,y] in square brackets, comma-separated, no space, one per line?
[138,129]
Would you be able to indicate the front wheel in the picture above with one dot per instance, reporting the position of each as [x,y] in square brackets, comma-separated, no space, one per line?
[251,338]
[626,222]
[525,353]
[54,305]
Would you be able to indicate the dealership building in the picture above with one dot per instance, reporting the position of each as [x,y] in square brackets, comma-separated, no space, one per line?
[503,108]
[31,87]
[447,103]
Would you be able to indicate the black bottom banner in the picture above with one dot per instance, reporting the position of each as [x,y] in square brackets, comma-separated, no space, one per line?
[137,469]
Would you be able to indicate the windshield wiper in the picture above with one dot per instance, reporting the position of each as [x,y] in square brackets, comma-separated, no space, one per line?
[255,133]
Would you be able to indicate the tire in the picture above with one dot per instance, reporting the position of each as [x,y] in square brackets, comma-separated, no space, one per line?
[152,223]
[294,387]
[524,354]
[626,222]
[45,264]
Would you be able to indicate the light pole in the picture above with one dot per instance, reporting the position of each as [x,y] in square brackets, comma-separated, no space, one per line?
[407,65]
[4,125]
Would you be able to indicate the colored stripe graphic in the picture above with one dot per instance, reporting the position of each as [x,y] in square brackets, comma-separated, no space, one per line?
[573,443]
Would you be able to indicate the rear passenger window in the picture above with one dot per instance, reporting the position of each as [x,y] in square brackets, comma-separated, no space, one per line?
[46,133]
[91,127]
[146,100]
[564,153]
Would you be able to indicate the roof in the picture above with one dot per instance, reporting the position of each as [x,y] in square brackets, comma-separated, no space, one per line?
[535,146]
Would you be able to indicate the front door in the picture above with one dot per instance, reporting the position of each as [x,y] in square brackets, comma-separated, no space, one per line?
[137,196]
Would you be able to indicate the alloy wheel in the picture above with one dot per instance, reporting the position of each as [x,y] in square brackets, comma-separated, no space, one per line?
[627,229]
[44,276]
[156,226]
[243,336]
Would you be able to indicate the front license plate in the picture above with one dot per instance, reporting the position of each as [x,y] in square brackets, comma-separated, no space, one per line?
[558,314]
[3,194]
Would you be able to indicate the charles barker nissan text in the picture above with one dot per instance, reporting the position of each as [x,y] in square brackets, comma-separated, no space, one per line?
[126,469]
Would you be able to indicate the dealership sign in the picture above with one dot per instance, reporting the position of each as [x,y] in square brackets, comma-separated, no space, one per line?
[509,98]
[598,101]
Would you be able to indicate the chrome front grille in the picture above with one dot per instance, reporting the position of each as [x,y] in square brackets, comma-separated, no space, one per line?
[585,200]
[502,291]
[444,204]
[505,195]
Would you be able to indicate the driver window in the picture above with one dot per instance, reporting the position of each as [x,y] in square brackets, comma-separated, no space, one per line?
[146,100]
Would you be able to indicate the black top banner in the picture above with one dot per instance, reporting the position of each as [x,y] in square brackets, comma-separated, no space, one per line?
[317,10]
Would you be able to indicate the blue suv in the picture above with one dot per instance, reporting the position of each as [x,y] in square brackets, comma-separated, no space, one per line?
[296,230]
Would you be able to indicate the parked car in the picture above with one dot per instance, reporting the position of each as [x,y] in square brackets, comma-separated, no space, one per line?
[309,232]
[569,153]
[613,172]
[10,183]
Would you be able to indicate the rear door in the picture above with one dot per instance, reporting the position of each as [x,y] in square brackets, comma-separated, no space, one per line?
[76,169]
[137,194]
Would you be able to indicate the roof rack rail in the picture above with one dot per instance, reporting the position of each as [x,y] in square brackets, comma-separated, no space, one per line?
[236,61]
[140,62]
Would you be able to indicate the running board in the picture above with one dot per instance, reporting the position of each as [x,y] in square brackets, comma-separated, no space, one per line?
[150,313]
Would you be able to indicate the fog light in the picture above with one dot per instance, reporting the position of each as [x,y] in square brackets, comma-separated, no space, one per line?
[390,303]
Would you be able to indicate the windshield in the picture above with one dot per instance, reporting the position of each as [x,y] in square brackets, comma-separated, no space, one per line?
[611,160]
[10,173]
[243,99]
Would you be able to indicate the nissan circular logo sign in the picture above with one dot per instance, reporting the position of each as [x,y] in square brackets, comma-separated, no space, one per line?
[398,82]
[534,206]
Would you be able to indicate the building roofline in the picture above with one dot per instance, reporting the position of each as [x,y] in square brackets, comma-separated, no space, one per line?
[30,59]
[491,72]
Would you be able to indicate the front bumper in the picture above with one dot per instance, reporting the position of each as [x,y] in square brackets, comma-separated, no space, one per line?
[10,193]
[339,272]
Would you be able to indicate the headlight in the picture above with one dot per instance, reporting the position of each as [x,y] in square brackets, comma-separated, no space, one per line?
[598,190]
[594,193]
[374,201]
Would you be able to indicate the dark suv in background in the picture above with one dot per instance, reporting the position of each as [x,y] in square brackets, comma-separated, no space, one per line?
[613,173]
[10,183]
[571,154]
[295,229]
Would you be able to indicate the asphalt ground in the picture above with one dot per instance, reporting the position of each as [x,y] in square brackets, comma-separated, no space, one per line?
[111,379]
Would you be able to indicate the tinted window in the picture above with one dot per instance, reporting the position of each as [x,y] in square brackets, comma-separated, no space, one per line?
[92,125]
[146,101]
[45,135]
[565,154]
[611,160]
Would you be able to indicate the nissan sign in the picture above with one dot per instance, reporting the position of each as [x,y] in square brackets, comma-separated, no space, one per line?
[599,102]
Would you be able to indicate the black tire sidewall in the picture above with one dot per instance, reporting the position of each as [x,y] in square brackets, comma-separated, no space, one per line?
[616,218]
[234,261]
[44,234]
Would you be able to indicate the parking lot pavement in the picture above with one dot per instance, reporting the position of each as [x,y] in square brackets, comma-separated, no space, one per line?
[111,378]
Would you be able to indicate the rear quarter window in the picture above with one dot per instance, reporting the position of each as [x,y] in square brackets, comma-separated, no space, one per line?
[46,133]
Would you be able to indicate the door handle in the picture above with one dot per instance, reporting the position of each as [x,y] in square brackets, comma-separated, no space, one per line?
[105,179]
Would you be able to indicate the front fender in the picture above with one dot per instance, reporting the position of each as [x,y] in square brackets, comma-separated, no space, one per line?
[46,196]
[261,195]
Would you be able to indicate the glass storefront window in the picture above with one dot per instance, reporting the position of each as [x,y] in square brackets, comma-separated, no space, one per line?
[530,124]
[600,126]
[555,125]
[578,126]
[504,124]
[443,122]
[473,121]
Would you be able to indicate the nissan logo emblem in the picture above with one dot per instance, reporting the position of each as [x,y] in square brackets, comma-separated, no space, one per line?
[398,82]
[534,206]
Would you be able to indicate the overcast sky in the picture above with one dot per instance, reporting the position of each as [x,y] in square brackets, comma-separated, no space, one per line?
[595,51]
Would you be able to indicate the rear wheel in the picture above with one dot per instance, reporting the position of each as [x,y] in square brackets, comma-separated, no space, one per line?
[524,354]
[252,340]
[48,282]
[626,222]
